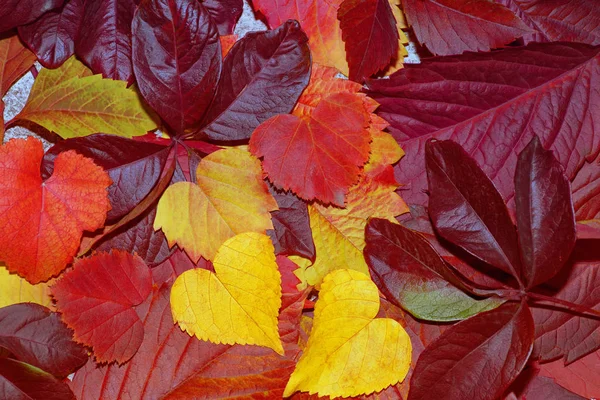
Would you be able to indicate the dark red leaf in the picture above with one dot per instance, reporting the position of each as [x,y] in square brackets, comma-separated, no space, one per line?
[476,359]
[176,59]
[454,26]
[20,381]
[545,216]
[104,43]
[467,210]
[585,189]
[224,13]
[493,104]
[263,75]
[36,336]
[175,265]
[52,36]
[581,377]
[14,13]
[542,388]
[370,34]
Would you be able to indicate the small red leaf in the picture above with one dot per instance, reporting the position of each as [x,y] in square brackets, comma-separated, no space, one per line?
[20,381]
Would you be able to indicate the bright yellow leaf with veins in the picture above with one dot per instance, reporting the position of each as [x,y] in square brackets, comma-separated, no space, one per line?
[240,302]
[231,197]
[72,103]
[14,289]
[349,353]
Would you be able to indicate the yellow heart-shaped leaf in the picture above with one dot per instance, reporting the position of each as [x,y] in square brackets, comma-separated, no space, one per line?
[240,302]
[349,353]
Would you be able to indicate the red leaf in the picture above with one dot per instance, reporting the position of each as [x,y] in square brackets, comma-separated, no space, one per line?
[542,388]
[97,300]
[586,199]
[542,89]
[52,36]
[477,358]
[370,34]
[177,59]
[581,377]
[14,13]
[224,13]
[20,381]
[545,216]
[167,271]
[263,75]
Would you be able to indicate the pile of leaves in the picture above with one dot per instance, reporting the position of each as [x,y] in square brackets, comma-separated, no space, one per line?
[224,217]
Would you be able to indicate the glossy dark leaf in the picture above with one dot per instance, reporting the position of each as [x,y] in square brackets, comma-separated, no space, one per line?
[21,381]
[371,36]
[177,59]
[467,210]
[476,359]
[52,36]
[545,216]
[37,336]
[15,13]
[263,75]
[224,13]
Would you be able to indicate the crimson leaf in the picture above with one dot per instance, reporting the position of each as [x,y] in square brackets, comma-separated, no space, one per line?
[21,381]
[225,13]
[14,13]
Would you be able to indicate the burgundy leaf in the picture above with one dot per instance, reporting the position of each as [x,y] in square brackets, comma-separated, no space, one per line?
[493,104]
[14,13]
[36,336]
[581,377]
[542,388]
[224,13]
[52,36]
[167,271]
[176,59]
[545,216]
[585,188]
[370,34]
[558,20]
[467,210]
[476,359]
[263,75]
[21,381]
[454,26]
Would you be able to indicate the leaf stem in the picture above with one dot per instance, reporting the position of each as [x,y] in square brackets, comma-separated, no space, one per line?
[567,304]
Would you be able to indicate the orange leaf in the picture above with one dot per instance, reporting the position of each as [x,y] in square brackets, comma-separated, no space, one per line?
[42,222]
[15,60]
[227,43]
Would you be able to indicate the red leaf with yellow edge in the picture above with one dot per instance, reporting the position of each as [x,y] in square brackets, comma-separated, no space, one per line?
[42,221]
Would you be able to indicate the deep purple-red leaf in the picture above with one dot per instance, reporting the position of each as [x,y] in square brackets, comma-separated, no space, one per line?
[544,213]
[52,36]
[476,359]
[371,36]
[36,336]
[21,381]
[224,13]
[176,59]
[263,75]
[14,13]
[585,189]
[467,210]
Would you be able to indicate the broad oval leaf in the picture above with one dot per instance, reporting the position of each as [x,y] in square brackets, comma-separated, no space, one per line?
[490,349]
[263,76]
[176,59]
[14,289]
[224,13]
[20,12]
[21,381]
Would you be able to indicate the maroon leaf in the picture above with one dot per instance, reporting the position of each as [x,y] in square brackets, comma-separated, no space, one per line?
[224,13]
[176,59]
[52,36]
[544,89]
[454,26]
[172,267]
[36,336]
[581,377]
[14,13]
[263,75]
[542,388]
[477,358]
[466,208]
[370,34]
[21,381]
[585,189]
[545,216]
[558,20]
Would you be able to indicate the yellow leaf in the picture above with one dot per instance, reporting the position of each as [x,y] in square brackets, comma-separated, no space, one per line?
[240,302]
[72,103]
[231,197]
[349,353]
[14,289]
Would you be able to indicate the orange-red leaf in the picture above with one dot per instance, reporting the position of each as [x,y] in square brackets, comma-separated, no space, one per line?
[15,60]
[42,222]
[97,300]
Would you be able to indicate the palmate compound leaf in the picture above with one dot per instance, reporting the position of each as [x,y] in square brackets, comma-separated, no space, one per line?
[97,299]
[239,302]
[19,12]
[42,221]
[230,197]
[349,351]
[14,289]
[71,103]
[21,381]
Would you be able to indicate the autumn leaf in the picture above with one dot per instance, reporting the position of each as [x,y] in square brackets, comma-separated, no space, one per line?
[42,221]
[19,380]
[346,342]
[224,13]
[230,198]
[239,302]
[18,12]
[579,377]
[14,289]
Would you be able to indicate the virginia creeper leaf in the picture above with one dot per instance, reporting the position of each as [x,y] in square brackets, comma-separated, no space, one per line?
[42,221]
[490,348]
[20,12]
[176,59]
[36,336]
[21,381]
[347,342]
[579,377]
[14,289]
[263,76]
[224,13]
